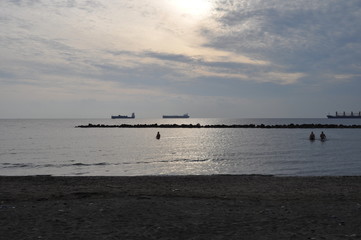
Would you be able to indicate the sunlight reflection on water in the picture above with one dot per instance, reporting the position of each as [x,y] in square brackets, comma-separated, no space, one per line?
[55,147]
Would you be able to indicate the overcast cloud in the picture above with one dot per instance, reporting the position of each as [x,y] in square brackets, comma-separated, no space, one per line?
[210,58]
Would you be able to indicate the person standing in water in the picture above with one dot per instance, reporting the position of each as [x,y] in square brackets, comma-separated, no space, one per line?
[158,136]
[312,136]
[322,136]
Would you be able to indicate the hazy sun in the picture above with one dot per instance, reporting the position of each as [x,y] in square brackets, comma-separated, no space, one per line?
[192,7]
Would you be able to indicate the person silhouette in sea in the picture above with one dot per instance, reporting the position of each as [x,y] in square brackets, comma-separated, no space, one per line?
[158,136]
[312,136]
[323,136]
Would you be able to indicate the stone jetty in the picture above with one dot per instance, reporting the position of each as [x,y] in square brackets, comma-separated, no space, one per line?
[155,125]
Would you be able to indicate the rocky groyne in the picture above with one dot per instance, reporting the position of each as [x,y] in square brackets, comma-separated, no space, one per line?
[155,125]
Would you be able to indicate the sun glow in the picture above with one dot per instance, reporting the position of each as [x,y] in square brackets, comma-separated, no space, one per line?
[192,7]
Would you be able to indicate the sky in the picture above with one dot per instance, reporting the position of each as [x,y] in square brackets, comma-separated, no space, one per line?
[208,58]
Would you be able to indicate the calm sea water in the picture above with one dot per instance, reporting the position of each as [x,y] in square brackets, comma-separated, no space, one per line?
[56,147]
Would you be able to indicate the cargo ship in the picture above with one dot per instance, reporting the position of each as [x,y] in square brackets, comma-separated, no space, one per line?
[345,115]
[176,116]
[123,116]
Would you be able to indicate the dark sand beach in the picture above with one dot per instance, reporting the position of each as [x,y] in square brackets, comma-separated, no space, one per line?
[182,207]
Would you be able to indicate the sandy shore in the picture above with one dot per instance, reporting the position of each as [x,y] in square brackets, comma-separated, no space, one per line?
[190,207]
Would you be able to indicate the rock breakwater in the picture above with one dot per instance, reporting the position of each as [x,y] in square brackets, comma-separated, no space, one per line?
[155,125]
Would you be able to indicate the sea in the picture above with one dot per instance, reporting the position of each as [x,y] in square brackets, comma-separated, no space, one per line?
[56,147]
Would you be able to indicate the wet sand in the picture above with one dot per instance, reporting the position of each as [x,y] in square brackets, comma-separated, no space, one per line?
[183,207]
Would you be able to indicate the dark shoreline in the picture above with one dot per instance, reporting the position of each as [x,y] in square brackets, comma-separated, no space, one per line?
[310,126]
[180,207]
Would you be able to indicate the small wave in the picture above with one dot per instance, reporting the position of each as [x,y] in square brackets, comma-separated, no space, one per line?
[80,173]
[169,161]
[17,165]
[79,164]
[142,162]
[98,164]
[191,160]
[10,153]
[91,164]
[101,164]
[183,160]
[49,165]
[198,160]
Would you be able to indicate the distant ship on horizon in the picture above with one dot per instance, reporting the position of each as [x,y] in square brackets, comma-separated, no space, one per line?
[176,116]
[344,115]
[123,116]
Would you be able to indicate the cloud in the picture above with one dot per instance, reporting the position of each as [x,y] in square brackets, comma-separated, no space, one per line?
[145,49]
[170,57]
[298,36]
